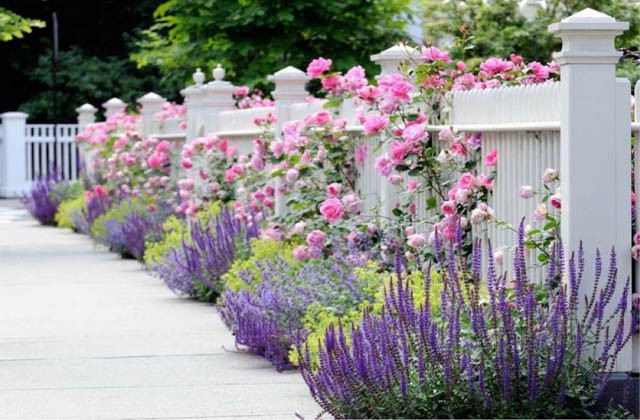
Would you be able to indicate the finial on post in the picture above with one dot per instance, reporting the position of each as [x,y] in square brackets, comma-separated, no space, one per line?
[218,73]
[113,106]
[198,77]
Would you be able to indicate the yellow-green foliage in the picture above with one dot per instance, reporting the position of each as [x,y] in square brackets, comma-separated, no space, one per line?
[318,318]
[175,230]
[64,215]
[261,249]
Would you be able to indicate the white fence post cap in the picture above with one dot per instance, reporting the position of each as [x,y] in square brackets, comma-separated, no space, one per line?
[113,102]
[198,77]
[150,98]
[288,73]
[86,108]
[398,52]
[14,115]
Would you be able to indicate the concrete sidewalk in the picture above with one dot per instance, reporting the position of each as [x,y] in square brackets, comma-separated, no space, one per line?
[84,334]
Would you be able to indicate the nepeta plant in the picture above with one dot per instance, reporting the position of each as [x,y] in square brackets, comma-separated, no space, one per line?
[269,320]
[527,352]
[95,207]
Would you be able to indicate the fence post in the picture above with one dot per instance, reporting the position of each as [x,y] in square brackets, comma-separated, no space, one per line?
[290,89]
[113,106]
[595,147]
[193,96]
[86,115]
[218,97]
[13,154]
[151,103]
[390,61]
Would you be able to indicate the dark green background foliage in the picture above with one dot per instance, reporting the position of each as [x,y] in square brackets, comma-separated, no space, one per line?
[253,38]
[96,38]
[498,29]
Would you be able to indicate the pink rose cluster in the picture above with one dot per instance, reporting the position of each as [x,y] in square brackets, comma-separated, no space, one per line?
[245,99]
[170,110]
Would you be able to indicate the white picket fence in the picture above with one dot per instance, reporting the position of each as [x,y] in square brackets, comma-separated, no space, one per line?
[580,126]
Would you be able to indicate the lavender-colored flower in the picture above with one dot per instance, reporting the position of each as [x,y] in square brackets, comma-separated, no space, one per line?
[42,200]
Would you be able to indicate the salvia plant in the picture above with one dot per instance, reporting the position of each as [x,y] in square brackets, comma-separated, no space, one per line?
[530,351]
[194,268]
[43,199]
[267,316]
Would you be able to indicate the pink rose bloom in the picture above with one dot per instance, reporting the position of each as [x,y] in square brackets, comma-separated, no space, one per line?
[398,151]
[99,191]
[369,94]
[213,187]
[448,207]
[496,65]
[389,105]
[540,71]
[498,258]
[525,191]
[549,175]
[375,123]
[323,117]
[301,253]
[492,158]
[272,234]
[556,200]
[635,301]
[355,79]
[334,189]
[277,148]
[268,203]
[401,91]
[120,142]
[383,165]
[387,81]
[257,163]
[461,66]
[412,185]
[186,184]
[395,179]
[636,238]
[416,241]
[318,66]
[292,175]
[230,175]
[445,134]
[332,210]
[298,228]
[316,238]
[431,54]
[187,164]
[332,84]
[162,147]
[466,181]
[478,216]
[540,213]
[414,133]
[155,161]
[351,203]
[515,59]
[241,91]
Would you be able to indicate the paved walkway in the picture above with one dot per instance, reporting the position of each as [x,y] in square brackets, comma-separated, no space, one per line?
[84,334]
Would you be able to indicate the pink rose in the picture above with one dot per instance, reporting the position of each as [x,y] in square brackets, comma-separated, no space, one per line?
[416,241]
[398,151]
[448,207]
[301,253]
[492,158]
[375,123]
[414,133]
[99,191]
[383,165]
[369,94]
[401,91]
[431,54]
[351,203]
[466,181]
[323,117]
[334,189]
[291,175]
[549,175]
[332,210]
[318,66]
[316,238]
[556,200]
[412,185]
[525,191]
[187,164]
[496,65]
[445,134]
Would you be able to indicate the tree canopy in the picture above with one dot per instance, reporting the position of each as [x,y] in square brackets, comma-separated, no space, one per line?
[252,38]
[12,25]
